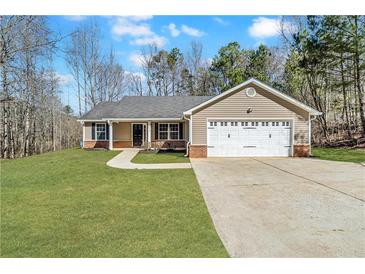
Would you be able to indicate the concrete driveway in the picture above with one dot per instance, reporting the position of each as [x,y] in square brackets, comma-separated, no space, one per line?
[285,207]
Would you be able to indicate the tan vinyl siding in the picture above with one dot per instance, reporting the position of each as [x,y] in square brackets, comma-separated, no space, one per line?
[265,105]
[88,127]
[122,131]
[186,130]
[301,134]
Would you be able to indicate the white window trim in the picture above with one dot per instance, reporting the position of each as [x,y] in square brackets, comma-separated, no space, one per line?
[96,131]
[168,131]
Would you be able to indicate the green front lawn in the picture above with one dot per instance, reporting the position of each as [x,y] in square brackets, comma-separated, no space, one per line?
[70,204]
[340,154]
[150,157]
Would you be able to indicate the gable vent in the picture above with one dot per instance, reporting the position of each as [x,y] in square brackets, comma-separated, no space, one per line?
[250,92]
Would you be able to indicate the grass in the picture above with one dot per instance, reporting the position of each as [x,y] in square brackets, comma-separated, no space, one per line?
[340,154]
[150,157]
[70,204]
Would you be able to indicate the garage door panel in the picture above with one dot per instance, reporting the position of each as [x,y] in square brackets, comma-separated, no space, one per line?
[249,138]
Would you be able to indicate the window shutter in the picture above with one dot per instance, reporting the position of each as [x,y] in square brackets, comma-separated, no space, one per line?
[156,131]
[181,131]
[93,131]
[107,131]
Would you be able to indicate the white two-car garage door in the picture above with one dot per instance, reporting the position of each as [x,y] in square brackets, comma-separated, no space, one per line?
[248,138]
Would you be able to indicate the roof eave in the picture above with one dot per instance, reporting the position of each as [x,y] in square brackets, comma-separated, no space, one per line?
[90,120]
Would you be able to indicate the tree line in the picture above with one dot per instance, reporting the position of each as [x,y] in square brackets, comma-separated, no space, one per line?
[319,61]
[325,68]
[32,118]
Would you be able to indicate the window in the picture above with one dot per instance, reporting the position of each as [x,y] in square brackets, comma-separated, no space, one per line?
[168,131]
[174,131]
[163,131]
[221,124]
[100,131]
[287,123]
[246,124]
[211,124]
[225,123]
[215,124]
[283,123]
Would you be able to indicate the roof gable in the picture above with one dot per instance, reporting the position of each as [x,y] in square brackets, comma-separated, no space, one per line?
[259,84]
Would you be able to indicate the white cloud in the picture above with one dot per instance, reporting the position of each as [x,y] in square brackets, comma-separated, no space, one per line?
[156,40]
[136,59]
[191,31]
[76,18]
[136,27]
[124,26]
[173,30]
[221,21]
[264,27]
[138,18]
[64,79]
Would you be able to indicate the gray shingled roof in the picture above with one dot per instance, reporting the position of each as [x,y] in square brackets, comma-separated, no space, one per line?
[145,107]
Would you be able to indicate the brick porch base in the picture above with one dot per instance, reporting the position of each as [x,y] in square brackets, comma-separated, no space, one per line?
[96,144]
[198,151]
[301,151]
[168,144]
[122,144]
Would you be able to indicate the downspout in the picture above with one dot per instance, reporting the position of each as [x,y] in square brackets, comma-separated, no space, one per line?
[311,118]
[188,143]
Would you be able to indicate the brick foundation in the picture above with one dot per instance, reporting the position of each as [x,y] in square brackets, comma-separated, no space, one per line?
[198,151]
[96,144]
[122,144]
[301,151]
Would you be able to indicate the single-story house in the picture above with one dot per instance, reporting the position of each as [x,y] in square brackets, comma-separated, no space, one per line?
[251,119]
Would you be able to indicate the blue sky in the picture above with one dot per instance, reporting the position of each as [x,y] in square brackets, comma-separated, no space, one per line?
[127,35]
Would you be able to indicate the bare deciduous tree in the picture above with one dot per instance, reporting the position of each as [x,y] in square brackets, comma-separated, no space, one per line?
[32,119]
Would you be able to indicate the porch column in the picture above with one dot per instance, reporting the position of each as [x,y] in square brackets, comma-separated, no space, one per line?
[83,134]
[110,135]
[149,134]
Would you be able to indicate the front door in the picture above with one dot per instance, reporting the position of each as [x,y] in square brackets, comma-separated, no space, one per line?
[137,135]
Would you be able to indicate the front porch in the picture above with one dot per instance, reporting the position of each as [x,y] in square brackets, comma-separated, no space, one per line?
[146,134]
